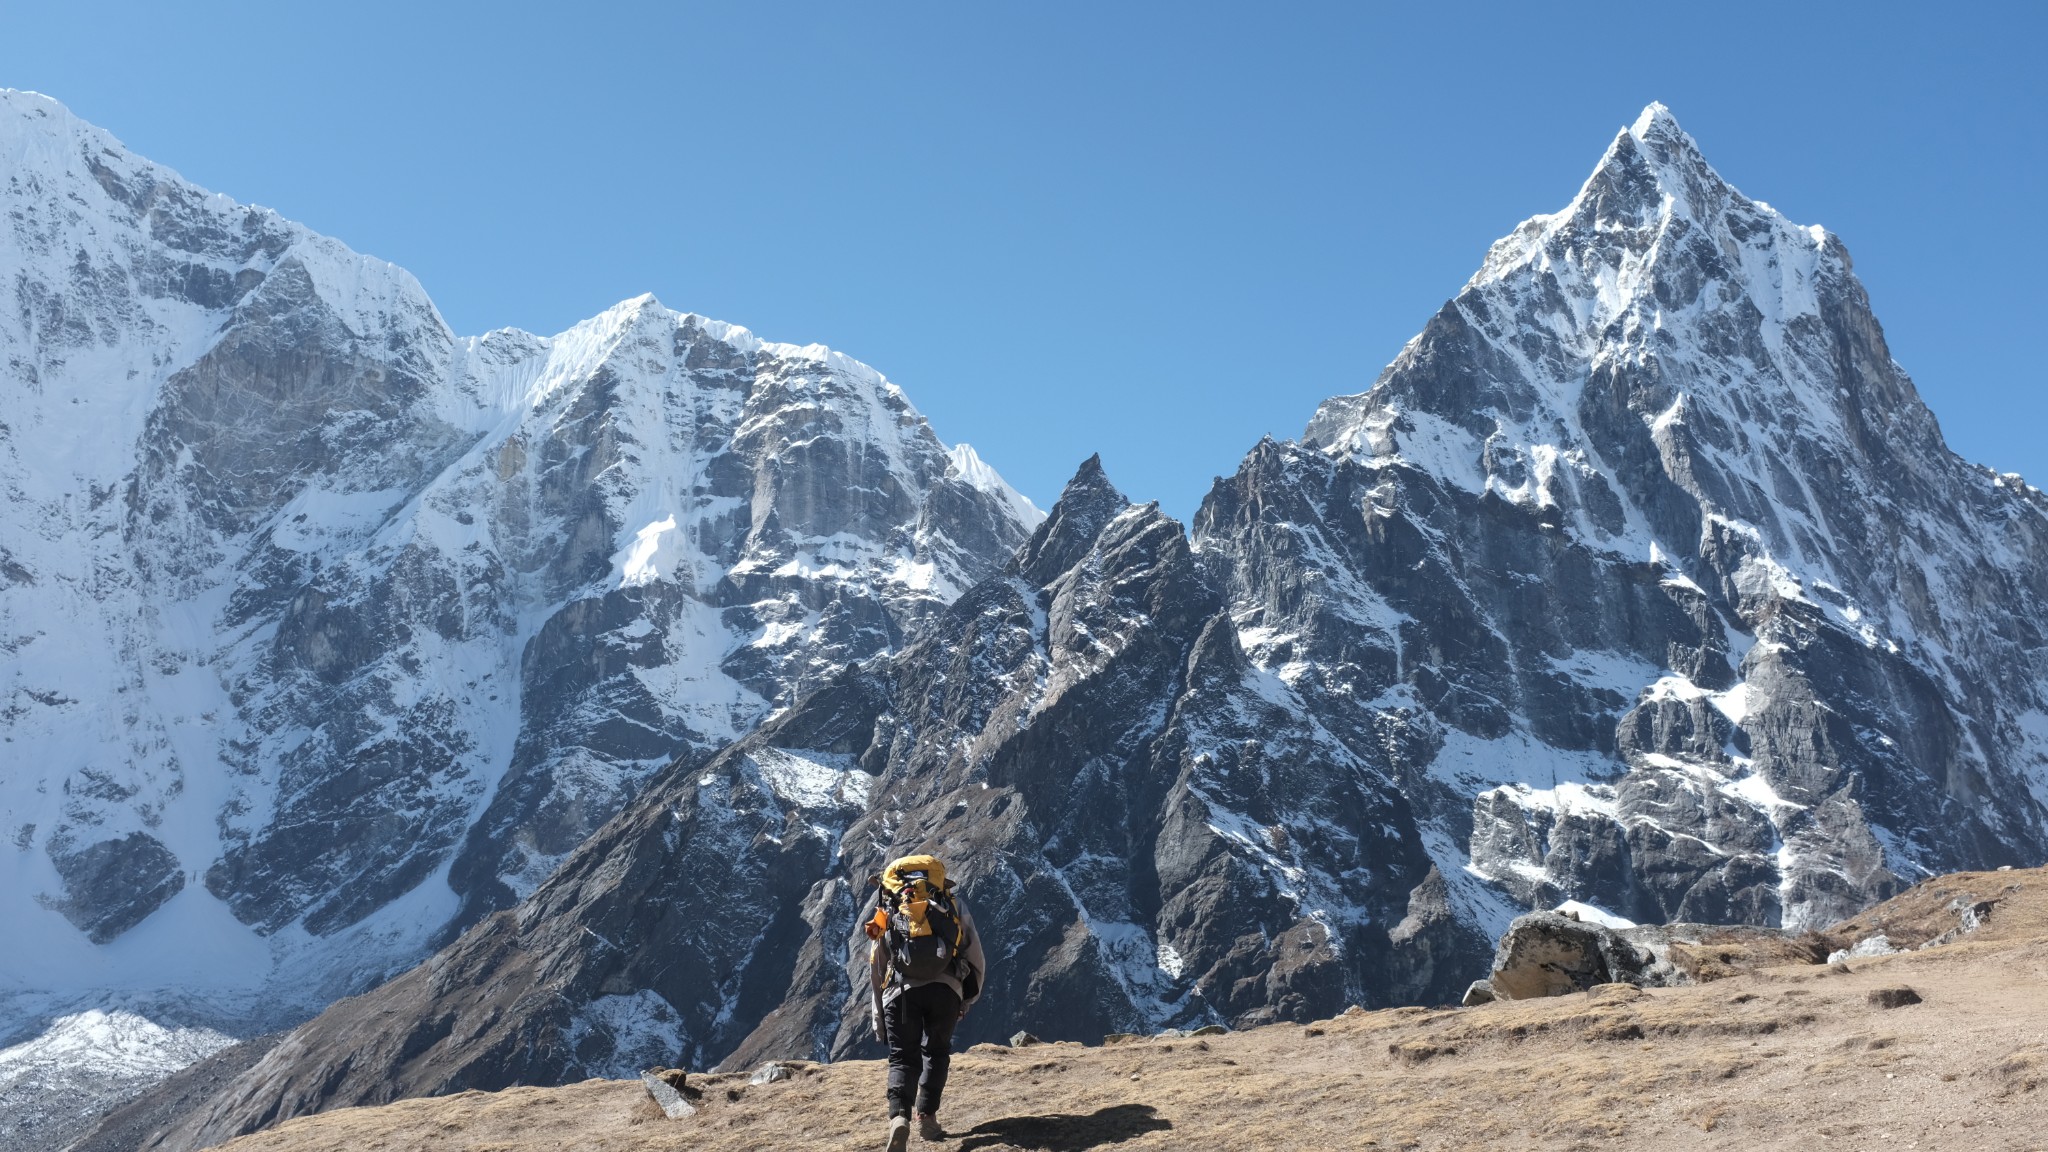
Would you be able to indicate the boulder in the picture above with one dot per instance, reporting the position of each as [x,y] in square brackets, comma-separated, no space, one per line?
[1550,954]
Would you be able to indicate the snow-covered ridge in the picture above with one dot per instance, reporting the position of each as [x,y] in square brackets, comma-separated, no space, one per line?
[968,465]
[51,1086]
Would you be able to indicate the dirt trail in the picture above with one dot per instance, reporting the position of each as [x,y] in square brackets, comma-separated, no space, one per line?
[1792,1057]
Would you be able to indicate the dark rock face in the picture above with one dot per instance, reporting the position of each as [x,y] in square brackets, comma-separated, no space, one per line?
[110,886]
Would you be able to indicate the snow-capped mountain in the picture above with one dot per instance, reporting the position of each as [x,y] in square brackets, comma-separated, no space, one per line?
[326,631]
[1647,541]
[1641,578]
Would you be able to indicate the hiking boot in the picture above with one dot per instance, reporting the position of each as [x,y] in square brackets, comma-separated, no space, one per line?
[928,1128]
[899,1134]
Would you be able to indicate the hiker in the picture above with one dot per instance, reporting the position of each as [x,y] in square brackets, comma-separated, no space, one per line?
[925,969]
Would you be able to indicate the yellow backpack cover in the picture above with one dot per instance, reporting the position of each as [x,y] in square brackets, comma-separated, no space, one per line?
[911,882]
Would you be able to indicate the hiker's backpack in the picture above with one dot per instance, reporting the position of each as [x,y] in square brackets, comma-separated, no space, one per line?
[925,936]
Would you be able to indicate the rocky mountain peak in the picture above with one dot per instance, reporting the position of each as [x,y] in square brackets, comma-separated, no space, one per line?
[1086,504]
[1684,392]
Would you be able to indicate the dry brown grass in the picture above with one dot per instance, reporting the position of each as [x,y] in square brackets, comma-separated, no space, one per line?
[1790,1057]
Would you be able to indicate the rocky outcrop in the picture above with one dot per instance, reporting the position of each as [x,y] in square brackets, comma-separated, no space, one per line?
[110,886]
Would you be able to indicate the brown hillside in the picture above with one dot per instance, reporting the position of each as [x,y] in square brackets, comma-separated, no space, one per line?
[1800,1056]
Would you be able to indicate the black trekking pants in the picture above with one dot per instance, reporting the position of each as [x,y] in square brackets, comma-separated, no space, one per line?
[919,1024]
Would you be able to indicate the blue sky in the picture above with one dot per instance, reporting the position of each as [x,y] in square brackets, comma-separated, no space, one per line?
[1158,232]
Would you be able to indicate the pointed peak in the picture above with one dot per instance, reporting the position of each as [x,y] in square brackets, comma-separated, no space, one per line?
[1667,146]
[1091,486]
[1088,503]
[1655,120]
[1651,170]
[1090,472]
[964,463]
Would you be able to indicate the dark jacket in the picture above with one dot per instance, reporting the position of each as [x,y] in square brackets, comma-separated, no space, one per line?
[884,984]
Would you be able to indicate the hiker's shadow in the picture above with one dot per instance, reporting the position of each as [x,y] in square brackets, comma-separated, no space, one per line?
[1062,1132]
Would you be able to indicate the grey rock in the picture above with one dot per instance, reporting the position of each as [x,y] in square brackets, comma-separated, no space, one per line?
[670,1100]
[1481,992]
[1877,945]
[1024,1040]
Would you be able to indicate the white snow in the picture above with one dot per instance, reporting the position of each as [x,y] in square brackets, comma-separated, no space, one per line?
[1594,915]
[639,566]
[1758,792]
[58,1083]
[967,465]
[118,1043]
[811,780]
[637,1030]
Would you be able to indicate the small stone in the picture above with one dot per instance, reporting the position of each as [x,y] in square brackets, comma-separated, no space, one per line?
[1481,992]
[1894,997]
[769,1073]
[1024,1040]
[1209,1030]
